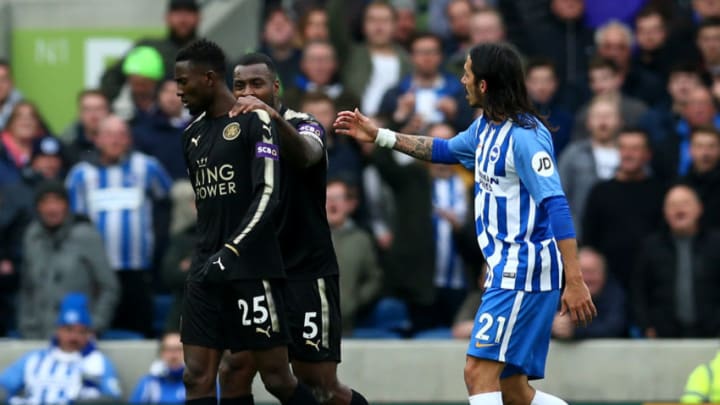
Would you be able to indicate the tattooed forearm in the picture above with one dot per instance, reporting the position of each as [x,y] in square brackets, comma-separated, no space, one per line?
[415,145]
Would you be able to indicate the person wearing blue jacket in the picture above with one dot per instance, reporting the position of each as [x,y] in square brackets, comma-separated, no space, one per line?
[70,370]
[163,384]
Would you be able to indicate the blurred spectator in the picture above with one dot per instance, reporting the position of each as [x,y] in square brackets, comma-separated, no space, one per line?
[17,209]
[178,256]
[182,19]
[143,68]
[621,212]
[486,26]
[117,193]
[660,122]
[159,133]
[653,52]
[93,107]
[708,42]
[71,370]
[164,384]
[606,79]
[563,38]
[427,95]
[370,68]
[608,297]
[279,42]
[16,142]
[343,153]
[542,85]
[701,383]
[9,95]
[406,23]
[361,282]
[704,174]
[457,14]
[313,26]
[450,210]
[672,156]
[409,261]
[678,275]
[66,255]
[614,41]
[587,161]
[319,73]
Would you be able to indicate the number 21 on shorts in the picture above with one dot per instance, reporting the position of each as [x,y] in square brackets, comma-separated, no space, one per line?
[485,330]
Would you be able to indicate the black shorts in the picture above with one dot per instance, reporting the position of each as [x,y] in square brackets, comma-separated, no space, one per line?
[236,315]
[313,310]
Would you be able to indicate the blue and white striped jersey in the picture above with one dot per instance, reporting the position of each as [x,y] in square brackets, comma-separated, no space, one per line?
[514,172]
[118,199]
[449,194]
[51,376]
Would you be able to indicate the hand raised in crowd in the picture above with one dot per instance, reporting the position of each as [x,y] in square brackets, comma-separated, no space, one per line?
[448,106]
[405,107]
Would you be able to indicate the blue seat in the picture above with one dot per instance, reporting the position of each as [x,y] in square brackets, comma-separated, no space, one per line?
[389,314]
[121,334]
[161,309]
[437,333]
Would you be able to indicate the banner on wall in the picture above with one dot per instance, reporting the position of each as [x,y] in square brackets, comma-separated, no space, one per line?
[50,66]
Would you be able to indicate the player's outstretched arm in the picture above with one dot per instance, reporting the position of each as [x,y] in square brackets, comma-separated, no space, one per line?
[360,127]
[299,149]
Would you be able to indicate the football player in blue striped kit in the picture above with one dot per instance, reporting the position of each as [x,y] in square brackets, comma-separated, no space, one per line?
[523,226]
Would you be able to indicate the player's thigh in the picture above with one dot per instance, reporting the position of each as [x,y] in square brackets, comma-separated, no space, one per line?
[513,327]
[253,315]
[201,321]
[313,309]
[201,365]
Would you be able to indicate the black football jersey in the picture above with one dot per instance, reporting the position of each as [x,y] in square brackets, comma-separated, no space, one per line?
[234,168]
[304,233]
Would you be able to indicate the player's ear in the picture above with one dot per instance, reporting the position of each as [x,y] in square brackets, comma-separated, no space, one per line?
[211,77]
[483,86]
[276,85]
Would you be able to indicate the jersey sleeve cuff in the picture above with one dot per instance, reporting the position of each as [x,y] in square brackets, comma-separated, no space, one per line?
[441,152]
[558,211]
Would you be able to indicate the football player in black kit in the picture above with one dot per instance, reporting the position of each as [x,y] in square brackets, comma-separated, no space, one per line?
[312,300]
[233,294]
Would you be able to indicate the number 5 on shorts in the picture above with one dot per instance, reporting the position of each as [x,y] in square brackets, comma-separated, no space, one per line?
[486,322]
[260,312]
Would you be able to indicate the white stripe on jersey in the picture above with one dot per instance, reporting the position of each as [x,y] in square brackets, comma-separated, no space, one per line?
[510,325]
[507,218]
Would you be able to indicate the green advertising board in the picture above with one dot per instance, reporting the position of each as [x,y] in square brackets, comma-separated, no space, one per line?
[50,66]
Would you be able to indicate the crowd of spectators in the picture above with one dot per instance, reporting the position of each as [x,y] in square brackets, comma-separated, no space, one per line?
[104,208]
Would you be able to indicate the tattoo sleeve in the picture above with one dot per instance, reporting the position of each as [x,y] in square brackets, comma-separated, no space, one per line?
[415,145]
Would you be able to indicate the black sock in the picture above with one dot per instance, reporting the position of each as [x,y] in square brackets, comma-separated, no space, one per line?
[243,400]
[301,396]
[357,399]
[201,401]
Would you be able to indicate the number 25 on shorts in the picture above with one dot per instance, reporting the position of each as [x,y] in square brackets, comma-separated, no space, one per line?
[485,330]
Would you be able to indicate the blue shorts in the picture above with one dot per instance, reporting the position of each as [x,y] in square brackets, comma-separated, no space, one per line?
[513,327]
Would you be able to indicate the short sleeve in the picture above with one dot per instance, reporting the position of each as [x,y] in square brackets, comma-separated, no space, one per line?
[463,145]
[534,162]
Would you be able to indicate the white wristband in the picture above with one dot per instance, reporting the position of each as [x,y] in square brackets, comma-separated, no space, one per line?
[386,138]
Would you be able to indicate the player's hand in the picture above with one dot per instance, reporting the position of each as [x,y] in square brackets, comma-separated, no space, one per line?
[356,125]
[217,266]
[246,104]
[577,302]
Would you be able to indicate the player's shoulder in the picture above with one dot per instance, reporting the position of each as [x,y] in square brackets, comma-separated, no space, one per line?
[532,131]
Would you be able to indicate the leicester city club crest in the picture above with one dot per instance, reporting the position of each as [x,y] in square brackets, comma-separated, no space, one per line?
[231,131]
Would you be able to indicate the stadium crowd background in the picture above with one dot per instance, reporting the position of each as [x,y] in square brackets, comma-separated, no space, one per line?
[632,88]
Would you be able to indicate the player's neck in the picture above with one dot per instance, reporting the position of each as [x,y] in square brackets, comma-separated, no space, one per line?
[221,105]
